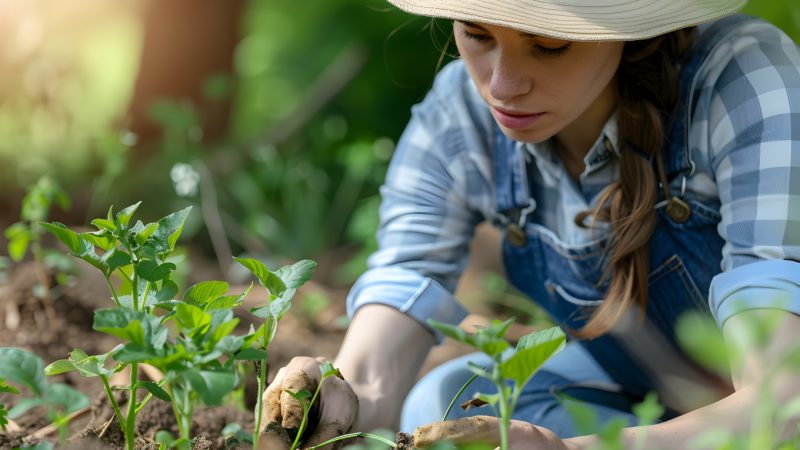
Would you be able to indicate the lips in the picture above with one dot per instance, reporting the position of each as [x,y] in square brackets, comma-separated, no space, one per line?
[515,119]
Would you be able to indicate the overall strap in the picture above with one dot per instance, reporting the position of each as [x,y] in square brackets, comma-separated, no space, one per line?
[512,167]
[676,156]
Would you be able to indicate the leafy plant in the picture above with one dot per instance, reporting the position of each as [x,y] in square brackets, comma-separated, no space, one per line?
[27,233]
[137,255]
[26,369]
[281,286]
[512,367]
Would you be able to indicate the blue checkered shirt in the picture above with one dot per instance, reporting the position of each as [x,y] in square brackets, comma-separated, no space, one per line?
[744,141]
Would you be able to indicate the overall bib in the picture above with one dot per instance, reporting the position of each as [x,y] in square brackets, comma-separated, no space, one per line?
[639,355]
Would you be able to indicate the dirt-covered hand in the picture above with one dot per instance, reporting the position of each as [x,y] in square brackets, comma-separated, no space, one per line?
[486,429]
[333,414]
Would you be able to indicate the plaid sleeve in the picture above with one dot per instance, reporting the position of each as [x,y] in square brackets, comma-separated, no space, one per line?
[430,207]
[754,139]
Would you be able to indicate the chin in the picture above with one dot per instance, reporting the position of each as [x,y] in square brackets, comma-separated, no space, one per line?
[527,136]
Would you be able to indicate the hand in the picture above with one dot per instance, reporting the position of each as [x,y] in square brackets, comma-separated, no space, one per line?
[333,414]
[486,429]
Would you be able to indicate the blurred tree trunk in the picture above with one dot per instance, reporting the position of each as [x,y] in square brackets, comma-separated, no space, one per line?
[185,43]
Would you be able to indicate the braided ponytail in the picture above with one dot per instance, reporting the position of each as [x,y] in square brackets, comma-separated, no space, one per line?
[648,88]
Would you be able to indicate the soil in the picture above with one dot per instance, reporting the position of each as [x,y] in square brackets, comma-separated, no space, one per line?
[25,323]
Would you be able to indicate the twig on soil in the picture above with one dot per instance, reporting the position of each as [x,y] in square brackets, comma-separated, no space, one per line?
[105,427]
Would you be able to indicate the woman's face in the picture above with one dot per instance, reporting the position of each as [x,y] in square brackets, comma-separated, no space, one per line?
[538,87]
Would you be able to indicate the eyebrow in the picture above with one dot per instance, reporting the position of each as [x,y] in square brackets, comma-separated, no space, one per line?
[475,25]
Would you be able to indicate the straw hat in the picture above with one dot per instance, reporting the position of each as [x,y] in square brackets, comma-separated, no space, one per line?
[579,20]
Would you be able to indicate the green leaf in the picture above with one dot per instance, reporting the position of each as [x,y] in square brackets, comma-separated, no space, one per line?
[124,217]
[24,406]
[488,343]
[101,239]
[169,229]
[115,259]
[220,329]
[700,337]
[24,368]
[152,271]
[228,301]
[299,395]
[167,292]
[211,386]
[156,390]
[452,331]
[532,351]
[297,274]
[142,232]
[3,417]
[66,399]
[132,326]
[583,416]
[204,292]
[540,337]
[649,410]
[136,353]
[88,366]
[18,246]
[251,354]
[269,280]
[7,388]
[192,319]
[71,239]
[328,370]
[104,224]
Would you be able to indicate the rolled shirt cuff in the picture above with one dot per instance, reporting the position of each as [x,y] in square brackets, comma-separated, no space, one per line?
[773,284]
[415,295]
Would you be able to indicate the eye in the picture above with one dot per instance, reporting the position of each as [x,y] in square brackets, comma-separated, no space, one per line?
[476,37]
[553,51]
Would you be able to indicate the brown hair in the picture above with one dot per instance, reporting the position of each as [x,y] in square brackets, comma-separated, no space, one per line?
[648,88]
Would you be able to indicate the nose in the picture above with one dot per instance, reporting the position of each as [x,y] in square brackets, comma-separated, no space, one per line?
[509,78]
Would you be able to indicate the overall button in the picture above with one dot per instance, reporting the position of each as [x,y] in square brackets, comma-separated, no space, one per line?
[516,236]
[678,210]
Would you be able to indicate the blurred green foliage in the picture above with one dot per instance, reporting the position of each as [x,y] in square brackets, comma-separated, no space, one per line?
[319,94]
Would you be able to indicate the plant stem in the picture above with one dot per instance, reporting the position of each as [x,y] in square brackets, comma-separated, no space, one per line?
[455,397]
[131,417]
[262,378]
[113,291]
[505,414]
[306,410]
[117,411]
[355,435]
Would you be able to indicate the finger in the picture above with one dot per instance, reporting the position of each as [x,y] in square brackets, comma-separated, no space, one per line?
[274,438]
[338,412]
[292,409]
[469,429]
[271,408]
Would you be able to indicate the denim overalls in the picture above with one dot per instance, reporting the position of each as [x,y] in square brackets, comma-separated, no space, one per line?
[639,355]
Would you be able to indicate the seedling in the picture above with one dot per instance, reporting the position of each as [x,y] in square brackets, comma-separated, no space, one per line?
[26,369]
[27,233]
[137,254]
[512,368]
[281,286]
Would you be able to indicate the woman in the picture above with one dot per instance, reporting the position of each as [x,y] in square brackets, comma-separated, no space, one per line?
[640,166]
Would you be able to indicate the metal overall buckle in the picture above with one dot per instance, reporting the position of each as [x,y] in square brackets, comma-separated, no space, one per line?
[677,209]
[515,232]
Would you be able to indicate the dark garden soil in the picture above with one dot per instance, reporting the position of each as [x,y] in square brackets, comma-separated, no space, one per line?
[25,323]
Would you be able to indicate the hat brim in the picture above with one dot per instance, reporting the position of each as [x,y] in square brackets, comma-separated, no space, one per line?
[576,20]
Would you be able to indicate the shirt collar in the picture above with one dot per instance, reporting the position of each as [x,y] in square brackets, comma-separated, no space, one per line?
[603,150]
